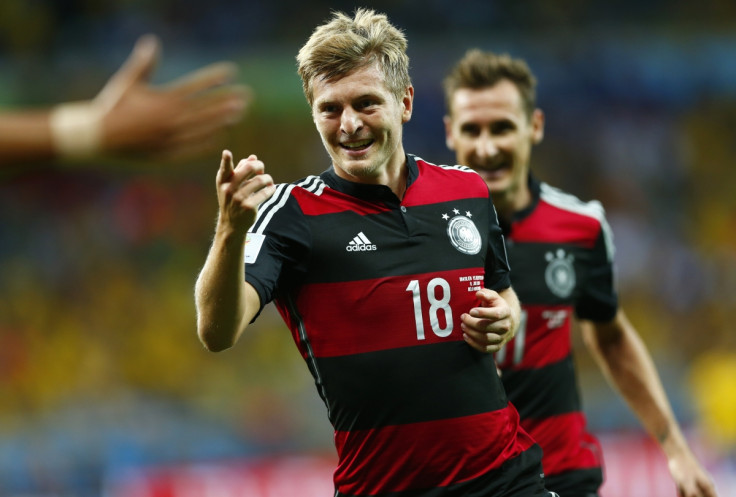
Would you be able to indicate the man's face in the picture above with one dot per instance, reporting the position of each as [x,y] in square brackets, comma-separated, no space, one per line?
[490,132]
[360,122]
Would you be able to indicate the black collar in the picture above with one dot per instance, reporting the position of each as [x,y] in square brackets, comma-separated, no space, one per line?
[368,192]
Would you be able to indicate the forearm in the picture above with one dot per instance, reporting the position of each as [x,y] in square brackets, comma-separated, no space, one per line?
[629,367]
[25,137]
[220,294]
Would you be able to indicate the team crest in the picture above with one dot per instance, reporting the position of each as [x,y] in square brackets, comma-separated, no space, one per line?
[560,273]
[464,235]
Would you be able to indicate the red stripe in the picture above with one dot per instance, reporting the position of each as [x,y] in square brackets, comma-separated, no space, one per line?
[385,317]
[545,340]
[427,455]
[455,185]
[551,224]
[332,201]
[565,443]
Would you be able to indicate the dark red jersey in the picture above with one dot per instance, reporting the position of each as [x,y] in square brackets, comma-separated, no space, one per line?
[372,289]
[561,254]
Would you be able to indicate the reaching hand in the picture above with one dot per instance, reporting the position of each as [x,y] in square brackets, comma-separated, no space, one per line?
[690,477]
[185,118]
[489,326]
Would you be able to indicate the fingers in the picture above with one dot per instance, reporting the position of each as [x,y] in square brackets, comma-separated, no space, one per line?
[141,63]
[207,77]
[138,67]
[488,326]
[244,182]
[226,167]
[483,342]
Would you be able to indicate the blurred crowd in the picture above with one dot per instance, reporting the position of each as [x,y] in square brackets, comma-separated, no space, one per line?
[100,366]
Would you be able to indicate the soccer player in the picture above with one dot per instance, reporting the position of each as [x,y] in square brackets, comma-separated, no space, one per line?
[561,254]
[391,274]
[130,119]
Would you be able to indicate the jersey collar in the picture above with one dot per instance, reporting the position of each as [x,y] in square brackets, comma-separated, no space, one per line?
[535,191]
[371,193]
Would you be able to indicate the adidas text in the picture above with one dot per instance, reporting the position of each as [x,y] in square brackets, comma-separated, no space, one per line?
[360,243]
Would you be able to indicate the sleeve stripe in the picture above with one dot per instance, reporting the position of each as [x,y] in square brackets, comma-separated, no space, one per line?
[267,209]
[594,209]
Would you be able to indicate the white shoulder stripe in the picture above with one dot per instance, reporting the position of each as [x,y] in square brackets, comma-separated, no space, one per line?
[458,167]
[267,209]
[593,208]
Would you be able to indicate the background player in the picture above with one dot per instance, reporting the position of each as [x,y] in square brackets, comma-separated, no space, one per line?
[130,118]
[561,253]
[382,328]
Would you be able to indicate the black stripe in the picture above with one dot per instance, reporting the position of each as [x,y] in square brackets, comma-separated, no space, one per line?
[311,183]
[432,382]
[544,392]
[576,483]
[391,232]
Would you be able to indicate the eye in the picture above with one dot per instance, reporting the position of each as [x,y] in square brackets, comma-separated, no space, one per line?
[328,109]
[470,129]
[502,127]
[365,104]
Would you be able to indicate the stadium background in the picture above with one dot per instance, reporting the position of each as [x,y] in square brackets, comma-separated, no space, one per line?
[101,375]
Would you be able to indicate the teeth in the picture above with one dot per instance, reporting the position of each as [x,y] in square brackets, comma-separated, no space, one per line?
[359,144]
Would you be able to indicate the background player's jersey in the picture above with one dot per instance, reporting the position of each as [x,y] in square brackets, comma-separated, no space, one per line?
[563,250]
[413,406]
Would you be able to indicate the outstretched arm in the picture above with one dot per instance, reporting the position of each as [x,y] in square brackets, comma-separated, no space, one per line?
[225,302]
[129,118]
[626,363]
[494,322]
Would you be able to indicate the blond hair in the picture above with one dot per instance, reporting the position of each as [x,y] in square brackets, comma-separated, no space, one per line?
[478,69]
[343,45]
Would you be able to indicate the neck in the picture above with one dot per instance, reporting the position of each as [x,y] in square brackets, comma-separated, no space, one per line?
[508,203]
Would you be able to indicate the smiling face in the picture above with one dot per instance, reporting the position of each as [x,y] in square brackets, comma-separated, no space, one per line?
[490,132]
[360,122]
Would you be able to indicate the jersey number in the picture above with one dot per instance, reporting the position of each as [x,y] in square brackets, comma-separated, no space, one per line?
[438,295]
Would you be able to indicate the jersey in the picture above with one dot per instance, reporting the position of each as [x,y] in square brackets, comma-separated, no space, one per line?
[372,289]
[561,254]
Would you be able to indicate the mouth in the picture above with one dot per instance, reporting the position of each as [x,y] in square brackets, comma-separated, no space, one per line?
[357,146]
[493,171]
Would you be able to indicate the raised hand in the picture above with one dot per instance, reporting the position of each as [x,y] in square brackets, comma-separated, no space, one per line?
[240,190]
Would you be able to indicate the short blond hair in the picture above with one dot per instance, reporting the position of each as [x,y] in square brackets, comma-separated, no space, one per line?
[478,70]
[343,45]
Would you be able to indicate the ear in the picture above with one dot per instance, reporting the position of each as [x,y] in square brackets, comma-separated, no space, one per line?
[537,126]
[449,140]
[408,102]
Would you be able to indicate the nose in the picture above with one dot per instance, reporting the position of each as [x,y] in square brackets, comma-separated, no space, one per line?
[350,121]
[485,146]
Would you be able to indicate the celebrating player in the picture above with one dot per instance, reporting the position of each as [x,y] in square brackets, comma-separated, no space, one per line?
[561,255]
[390,272]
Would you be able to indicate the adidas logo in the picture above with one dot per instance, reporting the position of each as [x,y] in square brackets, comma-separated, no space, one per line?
[360,243]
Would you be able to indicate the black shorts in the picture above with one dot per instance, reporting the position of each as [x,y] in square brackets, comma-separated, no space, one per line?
[578,483]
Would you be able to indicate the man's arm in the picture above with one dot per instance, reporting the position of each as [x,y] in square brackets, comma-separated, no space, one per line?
[225,303]
[129,118]
[627,364]
[489,326]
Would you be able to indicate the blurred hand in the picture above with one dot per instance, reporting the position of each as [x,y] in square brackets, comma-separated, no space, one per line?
[690,477]
[183,119]
[489,326]
[240,191]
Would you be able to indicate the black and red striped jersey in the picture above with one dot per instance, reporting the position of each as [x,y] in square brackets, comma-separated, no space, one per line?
[372,289]
[561,254]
